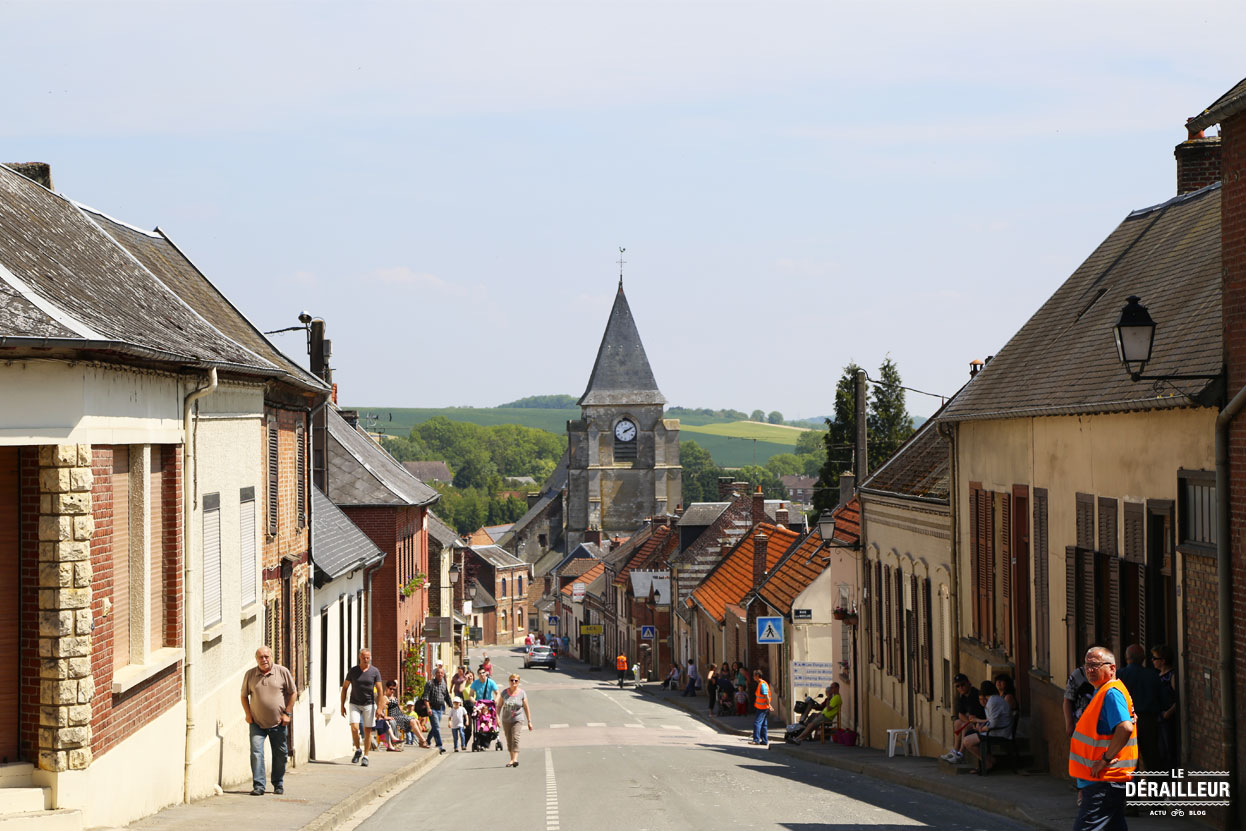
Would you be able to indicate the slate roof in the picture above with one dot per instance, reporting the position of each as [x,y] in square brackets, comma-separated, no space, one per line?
[340,545]
[621,373]
[361,473]
[1229,104]
[161,256]
[621,553]
[578,567]
[702,513]
[732,579]
[551,490]
[657,581]
[1063,360]
[919,468]
[497,557]
[481,599]
[430,471]
[439,531]
[65,283]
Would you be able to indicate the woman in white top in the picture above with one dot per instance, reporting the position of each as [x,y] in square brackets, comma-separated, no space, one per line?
[515,714]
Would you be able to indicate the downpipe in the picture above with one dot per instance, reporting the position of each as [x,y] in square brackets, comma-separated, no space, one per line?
[188,505]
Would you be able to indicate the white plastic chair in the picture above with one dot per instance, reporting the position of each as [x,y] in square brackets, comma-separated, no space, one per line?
[905,735]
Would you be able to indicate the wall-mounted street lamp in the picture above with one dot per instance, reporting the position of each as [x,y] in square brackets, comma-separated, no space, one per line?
[454,573]
[1135,336]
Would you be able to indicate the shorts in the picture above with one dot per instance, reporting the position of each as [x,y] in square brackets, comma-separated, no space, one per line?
[364,714]
[512,729]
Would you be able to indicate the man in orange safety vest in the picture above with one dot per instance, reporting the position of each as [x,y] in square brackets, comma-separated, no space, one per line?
[1103,750]
[762,707]
[620,663]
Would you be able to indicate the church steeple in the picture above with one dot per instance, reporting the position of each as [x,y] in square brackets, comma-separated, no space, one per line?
[621,374]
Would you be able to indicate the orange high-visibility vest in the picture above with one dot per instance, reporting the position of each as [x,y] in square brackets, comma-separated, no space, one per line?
[620,662]
[1088,745]
[762,701]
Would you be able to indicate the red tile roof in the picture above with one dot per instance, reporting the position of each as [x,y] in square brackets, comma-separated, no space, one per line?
[732,579]
[654,552]
[797,571]
[587,577]
[578,566]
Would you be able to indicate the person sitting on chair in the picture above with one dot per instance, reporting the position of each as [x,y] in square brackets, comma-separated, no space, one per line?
[997,721]
[829,714]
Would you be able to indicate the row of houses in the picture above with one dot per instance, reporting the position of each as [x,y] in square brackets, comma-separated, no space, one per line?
[174,493]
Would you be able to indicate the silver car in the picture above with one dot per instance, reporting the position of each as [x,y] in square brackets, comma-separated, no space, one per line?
[541,656]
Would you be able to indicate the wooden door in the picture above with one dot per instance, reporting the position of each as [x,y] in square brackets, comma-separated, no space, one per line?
[10,604]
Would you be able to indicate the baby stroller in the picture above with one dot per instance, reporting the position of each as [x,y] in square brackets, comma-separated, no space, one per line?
[484,726]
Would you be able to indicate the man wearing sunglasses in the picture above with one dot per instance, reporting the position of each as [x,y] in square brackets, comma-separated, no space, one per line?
[1103,750]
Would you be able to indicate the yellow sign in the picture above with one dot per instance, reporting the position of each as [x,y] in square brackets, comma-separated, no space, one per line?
[590,629]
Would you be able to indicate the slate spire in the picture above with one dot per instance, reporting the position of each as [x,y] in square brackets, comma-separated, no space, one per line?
[621,374]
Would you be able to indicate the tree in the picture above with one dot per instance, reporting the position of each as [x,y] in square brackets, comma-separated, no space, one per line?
[758,415]
[889,422]
[839,440]
[756,475]
[785,464]
[775,417]
[700,474]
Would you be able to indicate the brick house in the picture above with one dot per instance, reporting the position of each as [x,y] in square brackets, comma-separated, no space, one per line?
[506,579]
[391,507]
[132,435]
[1073,483]
[632,584]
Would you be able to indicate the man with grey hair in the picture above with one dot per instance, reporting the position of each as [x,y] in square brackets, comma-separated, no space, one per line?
[1103,750]
[268,694]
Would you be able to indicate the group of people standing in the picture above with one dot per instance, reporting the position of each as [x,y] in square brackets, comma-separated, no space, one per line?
[731,688]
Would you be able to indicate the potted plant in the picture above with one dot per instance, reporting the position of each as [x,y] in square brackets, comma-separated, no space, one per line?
[840,612]
[413,585]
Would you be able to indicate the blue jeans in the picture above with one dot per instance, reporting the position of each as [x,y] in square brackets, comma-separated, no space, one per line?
[434,725]
[460,737]
[1102,809]
[277,737]
[761,725]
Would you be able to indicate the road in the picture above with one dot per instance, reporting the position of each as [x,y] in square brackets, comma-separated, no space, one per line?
[602,758]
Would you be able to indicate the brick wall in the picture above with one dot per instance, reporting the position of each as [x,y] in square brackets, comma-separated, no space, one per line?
[116,717]
[291,540]
[1202,727]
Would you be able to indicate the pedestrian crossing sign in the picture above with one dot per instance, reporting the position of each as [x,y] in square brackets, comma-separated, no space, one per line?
[648,633]
[770,630]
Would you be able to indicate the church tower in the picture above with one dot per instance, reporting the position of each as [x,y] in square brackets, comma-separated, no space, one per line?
[623,454]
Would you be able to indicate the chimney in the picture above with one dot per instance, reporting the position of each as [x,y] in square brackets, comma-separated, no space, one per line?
[759,507]
[847,487]
[760,544]
[593,535]
[351,417]
[781,515]
[533,498]
[975,366]
[1198,161]
[40,172]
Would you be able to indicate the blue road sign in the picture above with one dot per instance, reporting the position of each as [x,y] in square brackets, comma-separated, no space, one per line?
[770,630]
[648,633]
[553,619]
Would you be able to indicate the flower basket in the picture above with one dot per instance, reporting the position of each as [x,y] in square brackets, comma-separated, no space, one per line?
[839,614]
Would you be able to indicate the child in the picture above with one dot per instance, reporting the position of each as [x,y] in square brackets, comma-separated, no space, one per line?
[741,701]
[458,716]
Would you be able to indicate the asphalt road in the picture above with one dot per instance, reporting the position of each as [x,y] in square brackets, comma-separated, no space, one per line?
[602,758]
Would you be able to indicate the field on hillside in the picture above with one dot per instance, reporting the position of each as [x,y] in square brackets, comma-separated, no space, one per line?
[733,444]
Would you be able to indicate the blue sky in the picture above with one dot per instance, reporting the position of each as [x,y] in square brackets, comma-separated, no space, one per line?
[797,184]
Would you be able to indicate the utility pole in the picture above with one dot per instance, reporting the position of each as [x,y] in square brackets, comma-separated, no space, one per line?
[862,460]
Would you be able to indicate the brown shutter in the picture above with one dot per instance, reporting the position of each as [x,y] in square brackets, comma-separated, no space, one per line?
[868,611]
[1135,545]
[1108,561]
[990,634]
[273,457]
[1070,603]
[897,642]
[156,594]
[1005,559]
[1142,620]
[1085,521]
[879,618]
[915,647]
[1042,584]
[928,635]
[1087,590]
[887,636]
[10,603]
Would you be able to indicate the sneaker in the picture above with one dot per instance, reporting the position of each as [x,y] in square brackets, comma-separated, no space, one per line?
[279,790]
[363,762]
[441,750]
[257,792]
[354,760]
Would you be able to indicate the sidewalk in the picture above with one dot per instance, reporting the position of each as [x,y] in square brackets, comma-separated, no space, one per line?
[1043,801]
[318,796]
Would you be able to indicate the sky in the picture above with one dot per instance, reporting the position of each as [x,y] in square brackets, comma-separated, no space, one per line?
[797,185]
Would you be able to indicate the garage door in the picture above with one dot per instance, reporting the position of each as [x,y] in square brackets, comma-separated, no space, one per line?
[9,604]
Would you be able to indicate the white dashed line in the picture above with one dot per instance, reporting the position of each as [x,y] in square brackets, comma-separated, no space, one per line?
[616,701]
[596,724]
[551,793]
[669,727]
[557,726]
[640,726]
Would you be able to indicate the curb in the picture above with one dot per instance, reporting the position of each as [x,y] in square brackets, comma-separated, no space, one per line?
[338,814]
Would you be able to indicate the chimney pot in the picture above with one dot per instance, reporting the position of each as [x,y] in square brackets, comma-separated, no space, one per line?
[781,515]
[1198,161]
[847,487]
[759,507]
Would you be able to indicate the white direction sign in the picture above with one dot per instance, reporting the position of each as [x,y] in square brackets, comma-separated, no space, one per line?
[648,633]
[578,590]
[812,673]
[770,630]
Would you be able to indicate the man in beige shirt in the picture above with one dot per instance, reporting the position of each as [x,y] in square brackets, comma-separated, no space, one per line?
[267,699]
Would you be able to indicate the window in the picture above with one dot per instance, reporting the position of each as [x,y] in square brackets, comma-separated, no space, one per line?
[211,559]
[519,585]
[141,552]
[982,556]
[246,533]
[503,594]
[120,483]
[156,543]
[1196,522]
[273,456]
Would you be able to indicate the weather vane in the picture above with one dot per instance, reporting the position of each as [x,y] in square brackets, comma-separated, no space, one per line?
[621,262]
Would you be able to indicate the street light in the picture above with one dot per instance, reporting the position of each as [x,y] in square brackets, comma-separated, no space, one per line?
[1135,336]
[454,573]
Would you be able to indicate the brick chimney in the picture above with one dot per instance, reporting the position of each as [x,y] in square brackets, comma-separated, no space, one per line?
[847,487]
[351,417]
[760,543]
[1198,161]
[781,515]
[724,488]
[759,507]
[40,172]
[593,535]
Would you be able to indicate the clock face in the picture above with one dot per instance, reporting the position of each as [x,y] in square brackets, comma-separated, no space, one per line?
[625,430]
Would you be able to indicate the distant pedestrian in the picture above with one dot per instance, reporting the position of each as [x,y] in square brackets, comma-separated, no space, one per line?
[364,683]
[1144,690]
[762,707]
[1169,738]
[268,694]
[515,716]
[694,680]
[437,694]
[620,664]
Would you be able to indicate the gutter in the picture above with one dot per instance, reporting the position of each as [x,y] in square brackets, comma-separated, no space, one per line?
[1224,593]
[188,506]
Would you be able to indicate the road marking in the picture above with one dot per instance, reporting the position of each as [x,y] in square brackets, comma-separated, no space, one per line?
[596,724]
[669,727]
[616,701]
[551,793]
[641,726]
[557,726]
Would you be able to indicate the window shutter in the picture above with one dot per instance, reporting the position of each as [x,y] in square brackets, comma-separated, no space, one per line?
[1087,590]
[987,502]
[927,634]
[300,637]
[975,554]
[1135,545]
[897,642]
[1142,620]
[1085,521]
[1070,603]
[880,621]
[1005,557]
[246,533]
[273,457]
[888,652]
[1042,587]
[916,648]
[868,611]
[936,619]
[301,474]
[211,559]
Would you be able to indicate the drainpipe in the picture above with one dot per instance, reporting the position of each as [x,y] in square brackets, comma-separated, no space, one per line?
[1224,593]
[188,506]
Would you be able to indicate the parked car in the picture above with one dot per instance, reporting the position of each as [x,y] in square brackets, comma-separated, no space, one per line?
[541,656]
